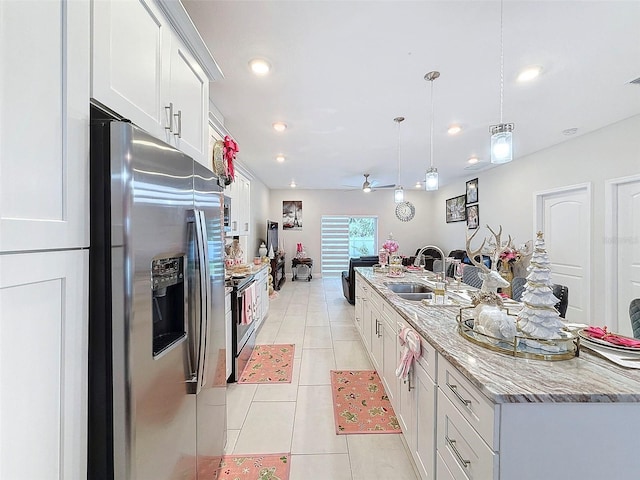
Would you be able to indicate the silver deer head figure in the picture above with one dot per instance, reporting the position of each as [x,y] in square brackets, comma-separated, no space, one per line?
[491,279]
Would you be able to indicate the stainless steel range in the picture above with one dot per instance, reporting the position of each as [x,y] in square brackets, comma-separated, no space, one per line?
[243,334]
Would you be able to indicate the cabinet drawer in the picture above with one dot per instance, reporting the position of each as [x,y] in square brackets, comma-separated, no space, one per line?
[442,471]
[472,404]
[463,451]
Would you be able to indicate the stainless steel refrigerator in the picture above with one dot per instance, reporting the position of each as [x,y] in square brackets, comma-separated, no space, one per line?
[157,386]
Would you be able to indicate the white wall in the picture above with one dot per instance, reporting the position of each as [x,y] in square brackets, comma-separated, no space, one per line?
[316,203]
[259,215]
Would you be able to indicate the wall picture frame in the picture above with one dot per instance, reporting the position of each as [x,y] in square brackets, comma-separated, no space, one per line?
[473,216]
[472,191]
[292,215]
[455,211]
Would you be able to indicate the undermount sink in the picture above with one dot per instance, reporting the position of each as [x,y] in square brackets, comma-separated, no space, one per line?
[416,297]
[408,288]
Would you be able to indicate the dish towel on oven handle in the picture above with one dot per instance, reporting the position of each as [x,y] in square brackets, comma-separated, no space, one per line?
[411,351]
[247,305]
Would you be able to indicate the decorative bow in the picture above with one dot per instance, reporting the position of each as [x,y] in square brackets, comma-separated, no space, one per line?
[230,150]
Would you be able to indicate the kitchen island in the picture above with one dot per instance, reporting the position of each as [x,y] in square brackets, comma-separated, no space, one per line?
[497,416]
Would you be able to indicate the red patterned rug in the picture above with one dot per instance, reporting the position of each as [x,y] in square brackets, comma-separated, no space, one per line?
[254,467]
[360,404]
[269,364]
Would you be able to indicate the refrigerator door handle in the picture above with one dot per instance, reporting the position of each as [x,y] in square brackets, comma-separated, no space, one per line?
[199,321]
[195,300]
[205,310]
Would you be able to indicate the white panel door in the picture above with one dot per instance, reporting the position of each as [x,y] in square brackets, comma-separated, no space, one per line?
[189,93]
[627,240]
[130,54]
[43,365]
[44,113]
[564,216]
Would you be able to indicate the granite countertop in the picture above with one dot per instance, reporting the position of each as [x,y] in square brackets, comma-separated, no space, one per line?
[503,378]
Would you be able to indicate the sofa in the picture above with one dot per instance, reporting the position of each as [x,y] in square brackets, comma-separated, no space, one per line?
[349,277]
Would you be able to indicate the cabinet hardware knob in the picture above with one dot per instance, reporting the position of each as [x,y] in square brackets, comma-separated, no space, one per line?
[178,116]
[410,387]
[169,112]
[454,389]
[452,445]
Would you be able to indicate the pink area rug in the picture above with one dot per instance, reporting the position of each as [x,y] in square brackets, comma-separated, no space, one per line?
[254,467]
[360,404]
[269,364]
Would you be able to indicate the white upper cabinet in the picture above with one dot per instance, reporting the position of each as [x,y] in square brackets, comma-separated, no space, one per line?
[144,71]
[188,97]
[130,41]
[44,113]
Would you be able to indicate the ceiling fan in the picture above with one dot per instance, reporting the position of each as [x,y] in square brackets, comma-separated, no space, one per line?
[368,186]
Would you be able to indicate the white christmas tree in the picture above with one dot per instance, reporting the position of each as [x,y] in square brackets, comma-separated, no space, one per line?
[539,318]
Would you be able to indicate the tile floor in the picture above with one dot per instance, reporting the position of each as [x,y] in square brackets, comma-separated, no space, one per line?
[298,417]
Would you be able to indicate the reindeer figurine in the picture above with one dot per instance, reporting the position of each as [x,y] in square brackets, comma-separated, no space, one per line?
[489,319]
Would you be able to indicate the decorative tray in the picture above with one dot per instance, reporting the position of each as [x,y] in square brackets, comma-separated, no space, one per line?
[522,345]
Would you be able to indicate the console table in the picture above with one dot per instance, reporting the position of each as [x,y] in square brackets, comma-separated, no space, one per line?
[277,272]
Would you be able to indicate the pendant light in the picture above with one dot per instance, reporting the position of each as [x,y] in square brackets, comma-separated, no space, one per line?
[431,177]
[398,193]
[501,136]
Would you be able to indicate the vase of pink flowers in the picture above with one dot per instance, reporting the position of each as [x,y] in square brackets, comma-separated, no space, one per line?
[389,248]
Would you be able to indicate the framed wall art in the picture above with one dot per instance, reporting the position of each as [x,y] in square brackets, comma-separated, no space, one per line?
[455,211]
[473,216]
[472,191]
[292,214]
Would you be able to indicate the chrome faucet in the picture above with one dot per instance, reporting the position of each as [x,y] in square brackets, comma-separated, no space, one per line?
[416,262]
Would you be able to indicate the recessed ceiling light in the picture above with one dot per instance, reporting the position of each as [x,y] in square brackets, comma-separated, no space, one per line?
[570,131]
[454,129]
[529,73]
[473,160]
[292,184]
[280,158]
[279,126]
[260,66]
[418,185]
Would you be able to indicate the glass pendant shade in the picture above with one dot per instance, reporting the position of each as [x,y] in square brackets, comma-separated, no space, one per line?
[431,179]
[398,195]
[501,143]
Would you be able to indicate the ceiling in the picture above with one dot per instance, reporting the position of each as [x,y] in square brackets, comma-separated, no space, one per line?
[342,70]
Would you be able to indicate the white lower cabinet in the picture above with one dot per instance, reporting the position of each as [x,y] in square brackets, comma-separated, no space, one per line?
[389,330]
[454,431]
[377,345]
[359,310]
[228,326]
[262,296]
[366,316]
[443,472]
[424,421]
[43,365]
[464,452]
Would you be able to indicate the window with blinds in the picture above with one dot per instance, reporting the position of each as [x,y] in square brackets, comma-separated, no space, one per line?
[344,237]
